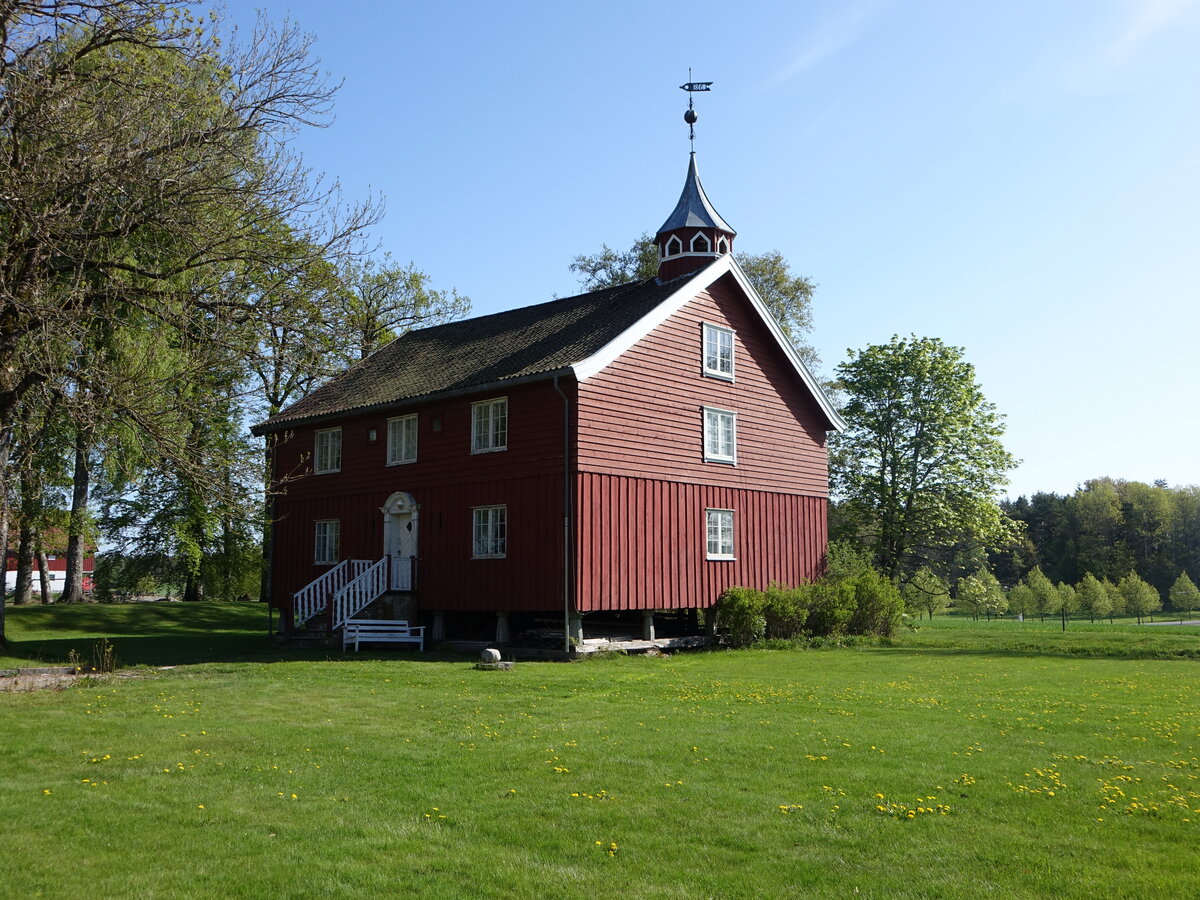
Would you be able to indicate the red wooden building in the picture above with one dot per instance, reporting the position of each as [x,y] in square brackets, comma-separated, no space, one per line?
[626,452]
[56,568]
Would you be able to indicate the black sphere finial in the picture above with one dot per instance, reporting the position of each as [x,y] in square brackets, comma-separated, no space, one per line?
[690,117]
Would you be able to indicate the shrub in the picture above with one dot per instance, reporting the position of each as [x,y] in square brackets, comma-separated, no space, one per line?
[740,615]
[877,604]
[785,610]
[830,606]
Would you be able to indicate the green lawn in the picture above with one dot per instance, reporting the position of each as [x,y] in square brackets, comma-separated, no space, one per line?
[740,773]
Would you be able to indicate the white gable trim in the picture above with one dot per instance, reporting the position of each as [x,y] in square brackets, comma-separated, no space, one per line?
[688,289]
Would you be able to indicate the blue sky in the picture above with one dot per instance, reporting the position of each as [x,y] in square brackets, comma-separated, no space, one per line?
[1019,179]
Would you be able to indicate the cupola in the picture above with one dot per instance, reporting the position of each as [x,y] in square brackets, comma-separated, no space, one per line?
[694,234]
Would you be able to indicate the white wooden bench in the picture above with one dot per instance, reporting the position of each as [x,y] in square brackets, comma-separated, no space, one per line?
[392,631]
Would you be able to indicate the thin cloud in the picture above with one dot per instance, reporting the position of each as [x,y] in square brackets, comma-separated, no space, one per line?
[829,39]
[1149,18]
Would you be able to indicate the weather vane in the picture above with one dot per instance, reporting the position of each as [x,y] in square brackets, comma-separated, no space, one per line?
[690,116]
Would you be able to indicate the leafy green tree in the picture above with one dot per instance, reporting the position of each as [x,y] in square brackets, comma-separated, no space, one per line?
[921,462]
[1062,602]
[1141,598]
[1184,595]
[787,296]
[1116,599]
[1020,600]
[1045,595]
[382,300]
[925,592]
[143,161]
[1094,599]
[981,593]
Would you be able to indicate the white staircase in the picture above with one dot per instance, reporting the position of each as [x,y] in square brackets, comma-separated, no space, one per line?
[350,587]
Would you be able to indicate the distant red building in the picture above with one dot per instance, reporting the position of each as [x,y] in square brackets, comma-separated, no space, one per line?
[56,567]
[637,448]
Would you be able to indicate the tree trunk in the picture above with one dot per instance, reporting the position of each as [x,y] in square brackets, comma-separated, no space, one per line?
[24,589]
[268,526]
[73,589]
[4,479]
[43,565]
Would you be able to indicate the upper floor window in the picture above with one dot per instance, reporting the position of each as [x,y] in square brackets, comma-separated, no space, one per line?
[327,542]
[674,245]
[720,435]
[701,243]
[402,440]
[722,246]
[489,532]
[328,452]
[719,533]
[718,351]
[489,425]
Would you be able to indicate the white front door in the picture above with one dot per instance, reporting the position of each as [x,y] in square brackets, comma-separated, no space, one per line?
[400,539]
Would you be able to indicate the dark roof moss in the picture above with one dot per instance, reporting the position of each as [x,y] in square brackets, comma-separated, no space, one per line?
[474,353]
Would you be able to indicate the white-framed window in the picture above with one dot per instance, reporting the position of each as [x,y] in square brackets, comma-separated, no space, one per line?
[674,245]
[718,351]
[489,532]
[720,435]
[327,542]
[402,440]
[701,243]
[327,455]
[489,425]
[719,533]
[722,246]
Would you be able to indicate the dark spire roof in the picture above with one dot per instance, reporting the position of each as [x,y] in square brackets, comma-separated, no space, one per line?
[525,343]
[693,209]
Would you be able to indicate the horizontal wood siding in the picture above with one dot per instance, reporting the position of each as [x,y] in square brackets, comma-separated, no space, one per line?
[643,415]
[641,542]
[447,480]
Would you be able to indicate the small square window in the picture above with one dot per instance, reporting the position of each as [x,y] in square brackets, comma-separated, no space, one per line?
[720,435]
[328,452]
[489,532]
[489,425]
[718,351]
[402,440]
[327,542]
[719,533]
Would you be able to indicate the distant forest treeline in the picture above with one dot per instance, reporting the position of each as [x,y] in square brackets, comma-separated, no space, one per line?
[1109,528]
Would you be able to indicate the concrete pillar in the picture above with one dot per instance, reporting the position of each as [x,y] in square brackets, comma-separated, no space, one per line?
[576,632]
[438,631]
[647,625]
[710,621]
[502,636]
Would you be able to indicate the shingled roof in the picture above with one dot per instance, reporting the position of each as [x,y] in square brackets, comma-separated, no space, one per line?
[475,353]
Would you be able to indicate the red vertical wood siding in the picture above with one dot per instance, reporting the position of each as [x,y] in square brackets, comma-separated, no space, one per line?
[447,480]
[643,485]
[642,543]
[642,416]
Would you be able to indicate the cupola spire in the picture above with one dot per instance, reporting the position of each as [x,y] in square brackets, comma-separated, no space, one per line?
[694,234]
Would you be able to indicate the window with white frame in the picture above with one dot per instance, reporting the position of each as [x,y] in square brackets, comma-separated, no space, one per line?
[327,456]
[327,542]
[719,530]
[674,246]
[718,351]
[402,440]
[489,425]
[701,243]
[489,532]
[720,435]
